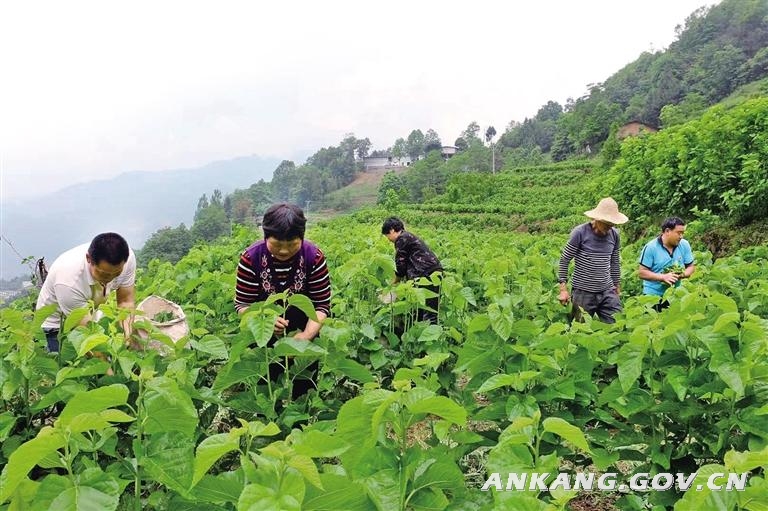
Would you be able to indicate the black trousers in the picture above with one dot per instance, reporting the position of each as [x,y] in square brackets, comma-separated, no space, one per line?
[52,339]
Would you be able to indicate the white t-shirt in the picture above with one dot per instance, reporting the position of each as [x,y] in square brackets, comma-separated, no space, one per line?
[70,285]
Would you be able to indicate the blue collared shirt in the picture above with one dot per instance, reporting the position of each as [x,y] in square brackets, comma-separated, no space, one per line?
[657,258]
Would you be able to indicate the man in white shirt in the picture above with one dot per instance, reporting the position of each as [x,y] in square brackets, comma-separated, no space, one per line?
[89,272]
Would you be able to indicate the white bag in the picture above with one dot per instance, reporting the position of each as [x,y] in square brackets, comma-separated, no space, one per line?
[175,328]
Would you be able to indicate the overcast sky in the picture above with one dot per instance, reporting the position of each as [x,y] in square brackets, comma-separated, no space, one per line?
[92,89]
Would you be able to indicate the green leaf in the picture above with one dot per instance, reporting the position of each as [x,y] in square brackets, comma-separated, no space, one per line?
[75,318]
[724,303]
[430,334]
[348,367]
[211,450]
[501,321]
[516,381]
[740,462]
[256,497]
[89,343]
[630,364]
[93,401]
[307,468]
[304,304]
[727,324]
[260,324]
[318,444]
[7,422]
[168,459]
[677,378]
[92,490]
[569,432]
[167,408]
[433,360]
[288,346]
[339,494]
[440,406]
[706,499]
[225,487]
[213,346]
[29,454]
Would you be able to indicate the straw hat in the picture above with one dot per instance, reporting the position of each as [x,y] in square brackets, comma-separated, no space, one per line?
[608,211]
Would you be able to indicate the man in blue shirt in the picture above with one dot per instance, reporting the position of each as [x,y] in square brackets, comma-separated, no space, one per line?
[666,260]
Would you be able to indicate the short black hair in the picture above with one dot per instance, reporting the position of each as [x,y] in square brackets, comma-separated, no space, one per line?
[392,223]
[284,222]
[109,247]
[671,223]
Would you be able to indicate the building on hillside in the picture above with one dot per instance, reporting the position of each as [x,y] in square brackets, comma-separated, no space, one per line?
[378,162]
[633,129]
[447,151]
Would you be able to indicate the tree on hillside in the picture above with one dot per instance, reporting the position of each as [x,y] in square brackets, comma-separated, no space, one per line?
[399,149]
[282,180]
[461,144]
[415,144]
[363,146]
[166,244]
[470,134]
[202,203]
[210,224]
[432,141]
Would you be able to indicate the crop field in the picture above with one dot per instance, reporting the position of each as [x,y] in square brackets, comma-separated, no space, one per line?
[405,415]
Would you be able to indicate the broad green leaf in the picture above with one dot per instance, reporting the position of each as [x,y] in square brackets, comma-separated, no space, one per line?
[92,490]
[339,494]
[569,432]
[168,459]
[89,343]
[211,450]
[213,346]
[516,381]
[727,324]
[433,360]
[724,303]
[501,321]
[256,497]
[93,401]
[168,408]
[7,422]
[23,459]
[260,324]
[75,318]
[41,315]
[630,364]
[235,372]
[349,367]
[307,468]
[677,378]
[90,367]
[288,346]
[745,461]
[225,487]
[318,444]
[431,333]
[304,304]
[731,375]
[440,406]
[706,499]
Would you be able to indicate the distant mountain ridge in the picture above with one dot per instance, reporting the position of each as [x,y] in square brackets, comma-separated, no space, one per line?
[134,204]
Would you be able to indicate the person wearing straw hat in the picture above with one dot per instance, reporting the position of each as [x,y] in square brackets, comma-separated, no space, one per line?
[594,245]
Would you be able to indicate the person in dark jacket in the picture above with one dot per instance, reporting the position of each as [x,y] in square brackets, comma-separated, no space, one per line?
[413,259]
